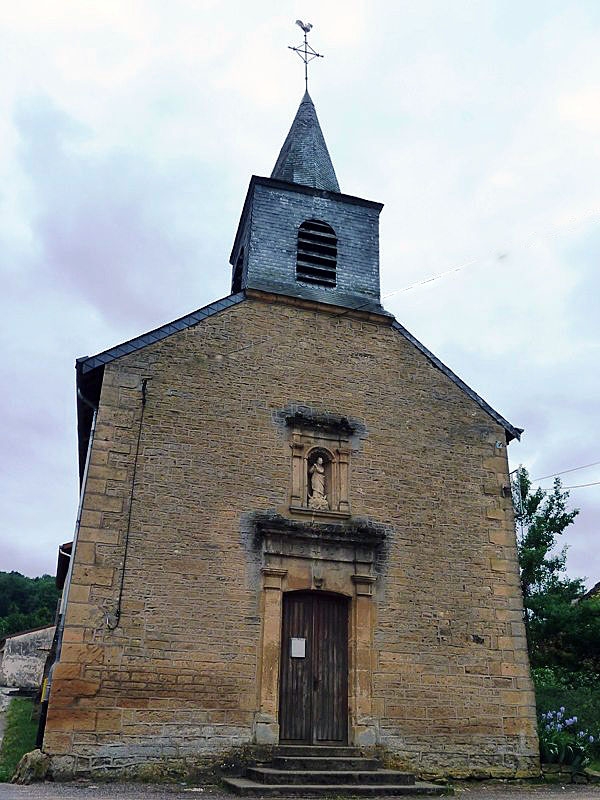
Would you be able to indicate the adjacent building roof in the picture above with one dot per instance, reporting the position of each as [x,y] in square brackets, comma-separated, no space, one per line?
[304,157]
[3,639]
[591,593]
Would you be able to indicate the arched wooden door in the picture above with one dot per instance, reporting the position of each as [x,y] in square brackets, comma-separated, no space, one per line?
[313,704]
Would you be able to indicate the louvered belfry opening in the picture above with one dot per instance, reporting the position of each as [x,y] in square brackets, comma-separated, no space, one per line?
[316,260]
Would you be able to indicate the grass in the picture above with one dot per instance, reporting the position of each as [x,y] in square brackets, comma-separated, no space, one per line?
[19,735]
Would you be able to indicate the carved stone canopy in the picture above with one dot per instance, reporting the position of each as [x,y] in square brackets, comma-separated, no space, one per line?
[323,423]
[363,533]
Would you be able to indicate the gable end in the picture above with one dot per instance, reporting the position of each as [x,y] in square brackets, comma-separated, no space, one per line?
[88,363]
[511,431]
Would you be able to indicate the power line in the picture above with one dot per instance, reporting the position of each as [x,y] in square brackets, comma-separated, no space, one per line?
[435,277]
[564,471]
[527,241]
[582,485]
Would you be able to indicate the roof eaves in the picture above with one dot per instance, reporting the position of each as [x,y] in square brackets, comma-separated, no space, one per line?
[511,431]
[28,630]
[89,363]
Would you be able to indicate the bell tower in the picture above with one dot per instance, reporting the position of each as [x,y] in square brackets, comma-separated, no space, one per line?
[299,235]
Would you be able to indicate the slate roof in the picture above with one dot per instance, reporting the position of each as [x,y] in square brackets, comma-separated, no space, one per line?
[87,364]
[304,157]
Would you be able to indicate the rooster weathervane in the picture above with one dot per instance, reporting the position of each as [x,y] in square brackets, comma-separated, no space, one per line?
[305,51]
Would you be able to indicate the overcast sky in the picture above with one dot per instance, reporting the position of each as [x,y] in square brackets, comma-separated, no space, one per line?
[128,134]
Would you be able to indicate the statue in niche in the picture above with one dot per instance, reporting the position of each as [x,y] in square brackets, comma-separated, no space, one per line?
[316,475]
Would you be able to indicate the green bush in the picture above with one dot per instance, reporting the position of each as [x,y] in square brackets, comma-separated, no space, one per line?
[19,735]
[562,678]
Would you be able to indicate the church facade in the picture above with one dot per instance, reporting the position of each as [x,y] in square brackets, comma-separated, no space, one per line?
[294,524]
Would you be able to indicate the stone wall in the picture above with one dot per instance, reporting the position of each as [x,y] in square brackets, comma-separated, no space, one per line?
[23,658]
[442,676]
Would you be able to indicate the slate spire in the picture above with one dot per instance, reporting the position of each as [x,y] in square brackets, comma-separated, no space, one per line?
[304,157]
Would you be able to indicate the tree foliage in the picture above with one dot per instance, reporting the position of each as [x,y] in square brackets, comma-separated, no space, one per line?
[540,517]
[563,630]
[26,602]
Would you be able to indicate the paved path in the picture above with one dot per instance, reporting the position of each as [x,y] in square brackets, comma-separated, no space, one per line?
[120,791]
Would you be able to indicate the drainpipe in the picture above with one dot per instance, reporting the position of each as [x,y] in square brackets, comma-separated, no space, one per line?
[60,626]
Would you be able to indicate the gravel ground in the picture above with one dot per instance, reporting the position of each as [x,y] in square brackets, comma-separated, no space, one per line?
[128,791]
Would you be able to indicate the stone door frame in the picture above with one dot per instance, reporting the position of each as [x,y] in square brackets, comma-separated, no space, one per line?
[332,558]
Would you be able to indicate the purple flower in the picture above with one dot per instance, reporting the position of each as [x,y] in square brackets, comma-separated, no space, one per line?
[562,709]
[591,740]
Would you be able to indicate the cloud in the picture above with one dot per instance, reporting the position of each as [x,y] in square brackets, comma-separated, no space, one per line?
[112,230]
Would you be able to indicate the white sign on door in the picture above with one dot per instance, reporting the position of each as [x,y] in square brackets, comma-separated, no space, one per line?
[298,648]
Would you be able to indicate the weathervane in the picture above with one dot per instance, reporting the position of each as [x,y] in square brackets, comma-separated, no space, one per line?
[305,51]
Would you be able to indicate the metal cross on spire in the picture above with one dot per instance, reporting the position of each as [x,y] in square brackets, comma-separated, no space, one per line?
[305,51]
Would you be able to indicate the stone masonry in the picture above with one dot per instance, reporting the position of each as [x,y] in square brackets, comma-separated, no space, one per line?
[445,684]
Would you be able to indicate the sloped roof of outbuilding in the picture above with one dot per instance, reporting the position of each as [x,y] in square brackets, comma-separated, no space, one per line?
[591,593]
[90,363]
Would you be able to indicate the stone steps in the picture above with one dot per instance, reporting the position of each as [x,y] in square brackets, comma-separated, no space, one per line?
[249,788]
[317,751]
[325,772]
[320,763]
[330,776]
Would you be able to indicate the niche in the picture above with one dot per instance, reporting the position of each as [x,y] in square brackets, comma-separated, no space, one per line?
[318,479]
[320,470]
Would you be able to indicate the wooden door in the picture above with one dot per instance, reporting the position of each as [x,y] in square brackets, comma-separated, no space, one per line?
[313,706]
